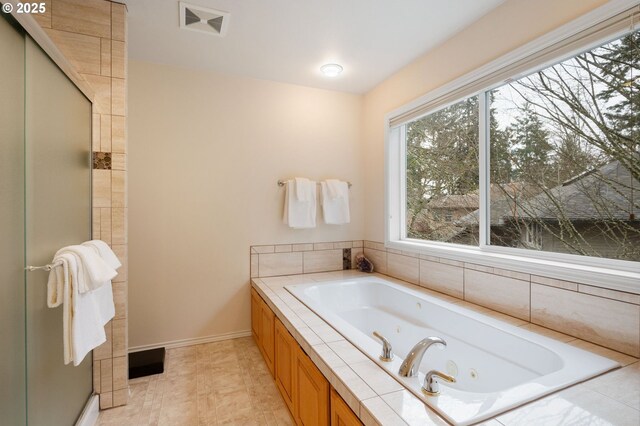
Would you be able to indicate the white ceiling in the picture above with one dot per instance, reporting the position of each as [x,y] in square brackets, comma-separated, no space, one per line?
[288,40]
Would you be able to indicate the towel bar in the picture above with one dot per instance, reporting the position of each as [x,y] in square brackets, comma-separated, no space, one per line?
[48,267]
[282,183]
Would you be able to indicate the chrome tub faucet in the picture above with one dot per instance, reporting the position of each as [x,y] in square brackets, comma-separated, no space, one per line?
[409,367]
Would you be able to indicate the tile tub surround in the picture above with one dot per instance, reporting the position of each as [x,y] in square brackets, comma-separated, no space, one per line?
[375,397]
[606,317]
[306,258]
[92,35]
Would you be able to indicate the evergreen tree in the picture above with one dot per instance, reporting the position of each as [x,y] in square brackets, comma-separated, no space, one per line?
[620,69]
[530,146]
[500,156]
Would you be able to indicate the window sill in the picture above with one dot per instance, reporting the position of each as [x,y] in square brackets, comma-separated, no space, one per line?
[609,278]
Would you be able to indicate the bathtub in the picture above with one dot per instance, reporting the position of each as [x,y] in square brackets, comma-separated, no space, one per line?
[497,366]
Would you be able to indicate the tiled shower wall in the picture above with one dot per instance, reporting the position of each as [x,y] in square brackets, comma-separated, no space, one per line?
[92,36]
[606,317]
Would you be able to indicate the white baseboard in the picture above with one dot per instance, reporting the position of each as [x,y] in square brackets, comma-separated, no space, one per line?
[190,342]
[89,416]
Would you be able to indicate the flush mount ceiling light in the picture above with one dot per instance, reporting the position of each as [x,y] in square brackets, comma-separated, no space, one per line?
[331,70]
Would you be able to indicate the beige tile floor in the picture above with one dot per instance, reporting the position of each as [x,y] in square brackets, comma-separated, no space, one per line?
[221,383]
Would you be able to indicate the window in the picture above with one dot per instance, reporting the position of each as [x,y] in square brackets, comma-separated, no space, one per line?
[442,171]
[565,146]
[541,165]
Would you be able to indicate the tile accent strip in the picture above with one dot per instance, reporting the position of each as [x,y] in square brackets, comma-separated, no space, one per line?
[102,161]
[346,259]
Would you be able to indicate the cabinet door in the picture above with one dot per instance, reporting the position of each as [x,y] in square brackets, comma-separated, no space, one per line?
[285,363]
[311,393]
[256,315]
[267,336]
[341,414]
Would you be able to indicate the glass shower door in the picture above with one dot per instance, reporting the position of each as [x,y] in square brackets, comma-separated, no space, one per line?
[58,213]
[12,276]
[45,203]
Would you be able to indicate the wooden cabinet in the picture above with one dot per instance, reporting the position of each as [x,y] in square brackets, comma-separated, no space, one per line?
[341,414]
[311,392]
[286,347]
[262,328]
[307,393]
[256,314]
[267,325]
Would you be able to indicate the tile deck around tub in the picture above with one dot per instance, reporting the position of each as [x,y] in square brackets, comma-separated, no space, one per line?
[378,398]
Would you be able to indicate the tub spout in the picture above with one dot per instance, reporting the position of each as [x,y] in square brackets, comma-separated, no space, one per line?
[409,367]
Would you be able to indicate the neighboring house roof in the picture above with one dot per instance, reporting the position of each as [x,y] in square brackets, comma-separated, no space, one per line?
[609,192]
[466,201]
[472,200]
[503,199]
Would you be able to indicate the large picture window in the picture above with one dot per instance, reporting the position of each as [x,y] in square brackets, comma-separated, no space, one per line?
[545,164]
[564,146]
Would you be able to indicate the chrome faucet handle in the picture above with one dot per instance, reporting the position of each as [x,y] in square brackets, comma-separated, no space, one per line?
[431,386]
[387,354]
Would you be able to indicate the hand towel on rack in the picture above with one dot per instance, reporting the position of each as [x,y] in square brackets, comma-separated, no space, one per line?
[335,202]
[300,203]
[84,314]
[93,271]
[104,251]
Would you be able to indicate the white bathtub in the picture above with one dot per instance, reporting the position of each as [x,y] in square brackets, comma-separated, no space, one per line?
[497,366]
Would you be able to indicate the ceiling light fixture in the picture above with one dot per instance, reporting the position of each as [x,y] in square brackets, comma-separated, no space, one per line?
[331,70]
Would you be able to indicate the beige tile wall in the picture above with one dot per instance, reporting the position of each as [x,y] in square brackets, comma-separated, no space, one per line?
[606,317]
[92,35]
[307,258]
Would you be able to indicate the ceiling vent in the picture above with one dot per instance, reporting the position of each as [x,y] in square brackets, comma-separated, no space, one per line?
[198,18]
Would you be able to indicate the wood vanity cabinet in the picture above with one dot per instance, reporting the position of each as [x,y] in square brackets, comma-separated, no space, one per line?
[286,347]
[262,328]
[307,393]
[267,324]
[255,316]
[341,414]
[311,392]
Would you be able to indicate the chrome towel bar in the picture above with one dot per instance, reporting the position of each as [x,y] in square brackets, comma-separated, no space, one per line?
[48,267]
[282,183]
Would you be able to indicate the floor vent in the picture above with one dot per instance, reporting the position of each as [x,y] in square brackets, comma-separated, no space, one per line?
[204,20]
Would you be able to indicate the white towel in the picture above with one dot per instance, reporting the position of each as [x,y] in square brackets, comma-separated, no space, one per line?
[300,203]
[84,314]
[93,271]
[104,251]
[335,202]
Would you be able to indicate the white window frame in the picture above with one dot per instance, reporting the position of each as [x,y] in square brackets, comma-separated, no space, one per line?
[538,54]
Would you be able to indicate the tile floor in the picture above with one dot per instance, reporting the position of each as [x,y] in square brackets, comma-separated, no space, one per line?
[221,383]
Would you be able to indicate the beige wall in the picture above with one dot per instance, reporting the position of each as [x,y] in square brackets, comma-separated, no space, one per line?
[206,151]
[507,27]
